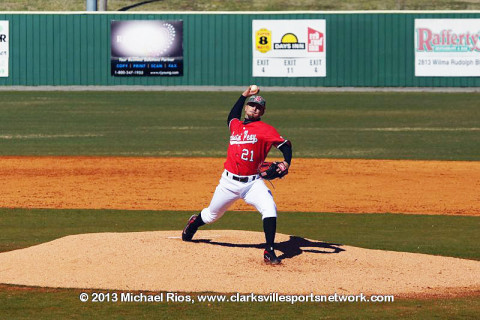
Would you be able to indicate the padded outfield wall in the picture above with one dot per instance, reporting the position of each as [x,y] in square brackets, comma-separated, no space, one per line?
[366,49]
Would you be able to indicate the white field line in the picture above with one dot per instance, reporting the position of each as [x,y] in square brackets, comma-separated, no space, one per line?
[185,128]
[388,129]
[45,136]
[399,129]
[195,153]
[180,128]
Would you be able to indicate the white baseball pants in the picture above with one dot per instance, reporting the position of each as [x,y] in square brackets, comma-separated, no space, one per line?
[228,191]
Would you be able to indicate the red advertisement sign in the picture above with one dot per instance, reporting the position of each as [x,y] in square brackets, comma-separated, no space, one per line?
[315,40]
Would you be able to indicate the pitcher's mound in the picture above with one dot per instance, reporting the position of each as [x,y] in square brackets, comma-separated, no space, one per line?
[230,261]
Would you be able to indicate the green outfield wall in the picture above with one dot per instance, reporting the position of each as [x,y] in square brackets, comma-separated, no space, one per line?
[367,49]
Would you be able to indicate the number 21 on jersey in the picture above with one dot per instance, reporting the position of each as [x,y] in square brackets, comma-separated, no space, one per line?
[247,155]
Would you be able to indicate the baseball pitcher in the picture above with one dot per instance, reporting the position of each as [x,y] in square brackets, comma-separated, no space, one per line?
[245,170]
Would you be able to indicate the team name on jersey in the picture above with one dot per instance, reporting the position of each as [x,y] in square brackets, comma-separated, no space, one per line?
[244,138]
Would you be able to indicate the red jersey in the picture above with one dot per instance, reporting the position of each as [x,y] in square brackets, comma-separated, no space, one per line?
[249,146]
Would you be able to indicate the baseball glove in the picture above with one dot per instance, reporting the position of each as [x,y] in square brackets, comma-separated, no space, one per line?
[272,170]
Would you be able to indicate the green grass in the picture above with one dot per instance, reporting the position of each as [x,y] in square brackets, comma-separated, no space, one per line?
[440,235]
[443,235]
[25,303]
[335,125]
[244,5]
[320,125]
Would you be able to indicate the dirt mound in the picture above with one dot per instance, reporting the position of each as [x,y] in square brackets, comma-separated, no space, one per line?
[230,261]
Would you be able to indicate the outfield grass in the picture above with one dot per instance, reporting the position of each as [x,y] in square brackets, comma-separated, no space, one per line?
[320,125]
[244,5]
[440,235]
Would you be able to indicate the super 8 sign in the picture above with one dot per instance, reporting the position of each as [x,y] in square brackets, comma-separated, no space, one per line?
[289,48]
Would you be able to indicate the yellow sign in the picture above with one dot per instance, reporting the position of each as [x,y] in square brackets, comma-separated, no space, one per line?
[263,40]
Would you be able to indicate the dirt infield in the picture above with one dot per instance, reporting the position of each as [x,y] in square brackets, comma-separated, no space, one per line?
[161,261]
[314,185]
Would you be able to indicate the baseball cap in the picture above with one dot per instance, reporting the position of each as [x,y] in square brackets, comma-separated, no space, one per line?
[257,99]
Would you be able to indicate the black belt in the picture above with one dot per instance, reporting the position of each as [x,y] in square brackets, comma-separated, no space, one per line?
[240,179]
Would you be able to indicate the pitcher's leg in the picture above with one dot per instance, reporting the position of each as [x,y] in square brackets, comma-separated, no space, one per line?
[222,199]
[270,229]
[261,198]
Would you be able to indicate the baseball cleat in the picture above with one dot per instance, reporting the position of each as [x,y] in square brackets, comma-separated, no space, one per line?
[270,258]
[189,231]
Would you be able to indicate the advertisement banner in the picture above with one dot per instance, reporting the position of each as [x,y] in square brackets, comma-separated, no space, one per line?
[4,48]
[147,48]
[447,47]
[289,48]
